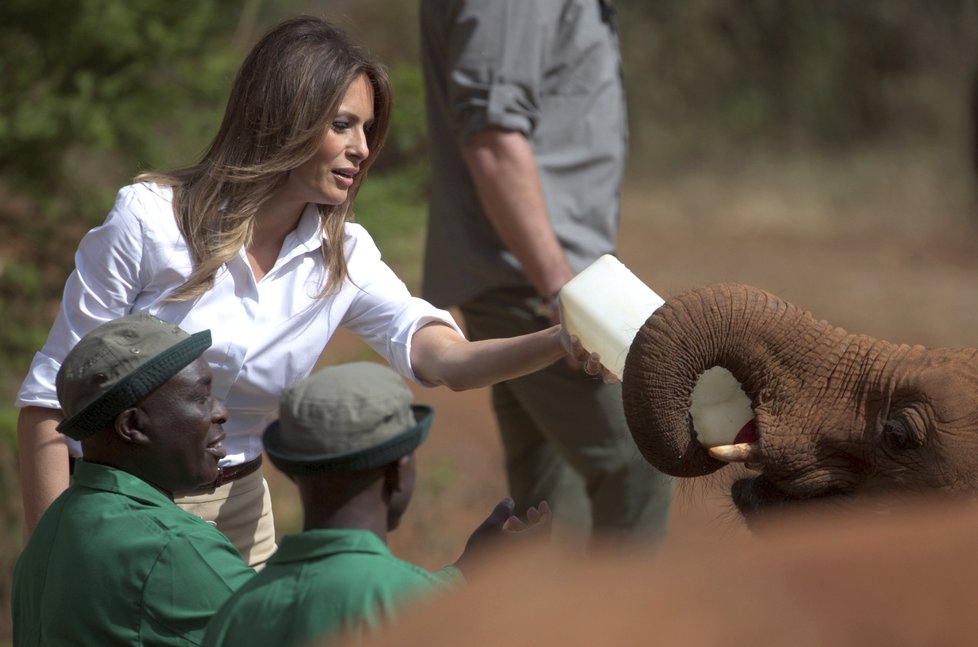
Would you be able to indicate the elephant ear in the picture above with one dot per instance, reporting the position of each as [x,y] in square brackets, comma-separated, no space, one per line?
[657,385]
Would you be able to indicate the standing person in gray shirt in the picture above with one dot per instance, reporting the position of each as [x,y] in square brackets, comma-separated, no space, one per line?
[528,135]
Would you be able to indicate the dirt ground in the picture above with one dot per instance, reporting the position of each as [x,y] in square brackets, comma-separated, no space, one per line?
[880,243]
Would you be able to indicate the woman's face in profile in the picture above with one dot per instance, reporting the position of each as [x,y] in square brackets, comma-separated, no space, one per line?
[327,177]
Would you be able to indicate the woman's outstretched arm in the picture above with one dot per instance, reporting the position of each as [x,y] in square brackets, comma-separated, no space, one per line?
[439,355]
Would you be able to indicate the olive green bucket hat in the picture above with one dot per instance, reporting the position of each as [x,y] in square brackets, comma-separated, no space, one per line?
[346,418]
[117,365]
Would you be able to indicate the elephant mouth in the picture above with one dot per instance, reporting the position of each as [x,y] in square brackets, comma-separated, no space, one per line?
[754,495]
[760,496]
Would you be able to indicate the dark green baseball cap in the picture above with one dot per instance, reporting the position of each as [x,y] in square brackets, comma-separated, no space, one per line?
[118,364]
[346,418]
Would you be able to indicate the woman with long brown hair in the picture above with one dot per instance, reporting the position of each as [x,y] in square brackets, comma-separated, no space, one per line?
[256,243]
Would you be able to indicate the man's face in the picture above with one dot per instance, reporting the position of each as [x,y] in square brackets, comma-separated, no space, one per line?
[183,423]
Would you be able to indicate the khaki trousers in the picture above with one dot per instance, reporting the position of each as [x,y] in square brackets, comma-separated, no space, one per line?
[242,510]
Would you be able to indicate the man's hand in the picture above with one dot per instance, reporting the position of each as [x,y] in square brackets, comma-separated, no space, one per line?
[505,173]
[502,530]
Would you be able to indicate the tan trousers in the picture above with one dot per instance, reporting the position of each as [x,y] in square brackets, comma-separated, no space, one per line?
[242,510]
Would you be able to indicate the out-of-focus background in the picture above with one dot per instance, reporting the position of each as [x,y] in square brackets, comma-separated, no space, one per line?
[825,151]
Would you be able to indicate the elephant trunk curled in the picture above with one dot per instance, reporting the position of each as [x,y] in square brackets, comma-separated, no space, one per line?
[737,327]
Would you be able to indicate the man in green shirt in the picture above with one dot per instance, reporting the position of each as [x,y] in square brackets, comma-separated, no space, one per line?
[346,435]
[113,560]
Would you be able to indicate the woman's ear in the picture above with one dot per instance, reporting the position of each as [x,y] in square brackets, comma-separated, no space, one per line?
[129,428]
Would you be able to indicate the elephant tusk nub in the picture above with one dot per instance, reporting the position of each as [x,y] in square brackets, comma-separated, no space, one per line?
[739,453]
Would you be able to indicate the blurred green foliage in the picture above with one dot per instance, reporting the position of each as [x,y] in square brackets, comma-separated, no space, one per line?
[391,205]
[105,75]
[91,91]
[11,529]
[709,77]
[22,299]
[8,425]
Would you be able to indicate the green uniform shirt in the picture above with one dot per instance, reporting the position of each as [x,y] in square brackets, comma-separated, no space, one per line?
[318,583]
[114,562]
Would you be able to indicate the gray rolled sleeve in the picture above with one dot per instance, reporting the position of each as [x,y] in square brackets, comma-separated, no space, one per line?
[496,51]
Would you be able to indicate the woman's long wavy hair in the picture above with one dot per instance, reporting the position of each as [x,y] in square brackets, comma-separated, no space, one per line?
[283,100]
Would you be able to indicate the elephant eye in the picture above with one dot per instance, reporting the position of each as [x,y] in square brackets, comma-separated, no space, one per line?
[904,431]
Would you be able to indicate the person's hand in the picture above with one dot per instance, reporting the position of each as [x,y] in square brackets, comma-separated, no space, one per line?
[580,358]
[502,529]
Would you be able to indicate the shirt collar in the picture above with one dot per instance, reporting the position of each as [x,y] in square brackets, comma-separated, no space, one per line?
[307,234]
[315,544]
[110,479]
[306,237]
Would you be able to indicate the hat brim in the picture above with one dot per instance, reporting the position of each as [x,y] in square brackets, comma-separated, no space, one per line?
[133,388]
[357,461]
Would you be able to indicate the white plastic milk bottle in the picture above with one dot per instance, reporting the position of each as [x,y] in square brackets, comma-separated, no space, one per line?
[605,306]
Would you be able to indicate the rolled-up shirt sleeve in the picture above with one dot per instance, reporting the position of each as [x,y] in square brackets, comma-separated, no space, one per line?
[495,56]
[383,313]
[102,287]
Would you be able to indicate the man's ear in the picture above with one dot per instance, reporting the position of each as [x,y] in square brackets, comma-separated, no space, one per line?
[128,426]
[392,474]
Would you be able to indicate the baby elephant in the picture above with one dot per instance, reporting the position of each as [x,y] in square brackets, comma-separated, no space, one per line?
[835,414]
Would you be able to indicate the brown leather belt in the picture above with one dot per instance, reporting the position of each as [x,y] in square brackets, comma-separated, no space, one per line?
[231,473]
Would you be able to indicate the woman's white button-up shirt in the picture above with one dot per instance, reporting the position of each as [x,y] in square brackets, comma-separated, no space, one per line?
[266,334]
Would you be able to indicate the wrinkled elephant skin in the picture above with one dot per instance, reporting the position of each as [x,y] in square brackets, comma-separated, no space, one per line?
[837,414]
